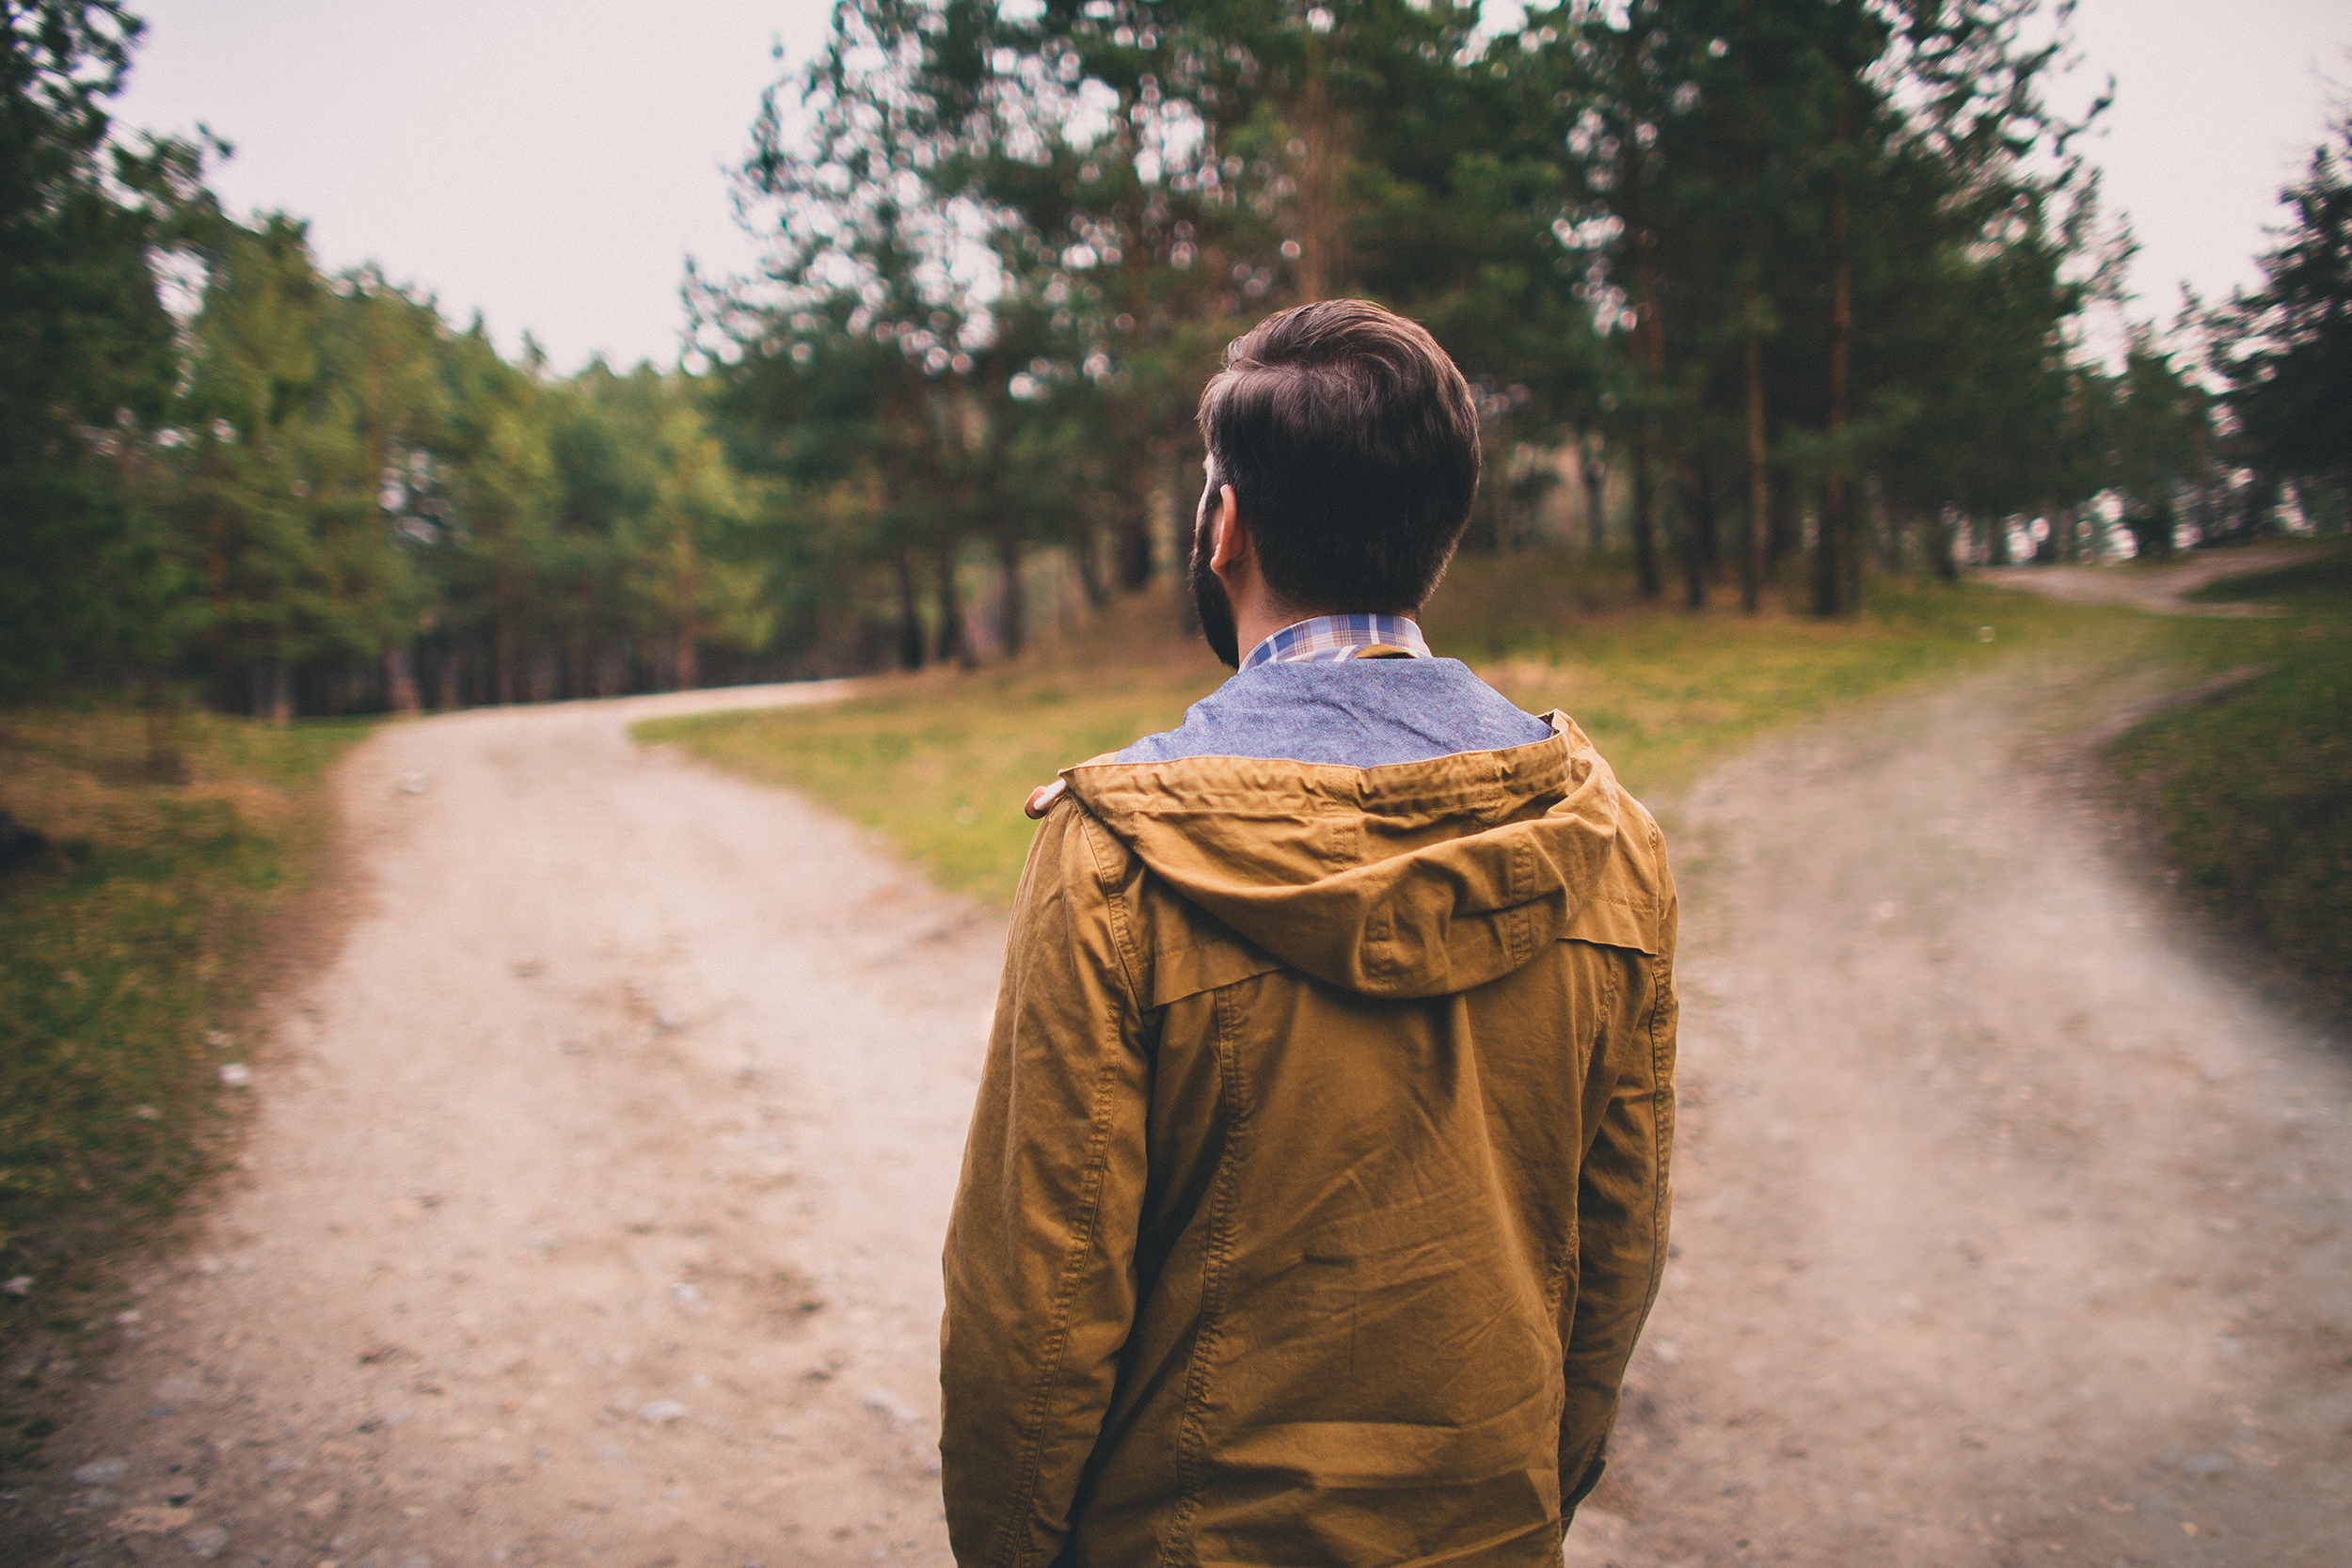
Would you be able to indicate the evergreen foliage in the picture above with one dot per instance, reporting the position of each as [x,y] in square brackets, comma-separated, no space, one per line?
[1781,292]
[2286,349]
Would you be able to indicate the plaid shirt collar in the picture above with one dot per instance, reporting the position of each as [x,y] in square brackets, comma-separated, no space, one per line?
[1328,639]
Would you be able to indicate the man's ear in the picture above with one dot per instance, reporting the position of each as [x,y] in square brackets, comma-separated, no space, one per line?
[1228,535]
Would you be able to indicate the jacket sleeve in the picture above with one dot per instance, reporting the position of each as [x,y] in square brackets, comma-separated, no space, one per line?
[1623,1198]
[1039,1264]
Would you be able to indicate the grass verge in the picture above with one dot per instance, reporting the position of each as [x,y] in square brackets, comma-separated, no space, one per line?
[2251,794]
[939,762]
[124,974]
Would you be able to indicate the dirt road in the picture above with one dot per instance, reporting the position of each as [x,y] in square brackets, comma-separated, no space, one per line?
[2161,588]
[2012,1228]
[592,1211]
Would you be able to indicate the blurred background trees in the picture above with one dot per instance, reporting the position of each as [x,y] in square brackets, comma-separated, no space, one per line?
[1760,297]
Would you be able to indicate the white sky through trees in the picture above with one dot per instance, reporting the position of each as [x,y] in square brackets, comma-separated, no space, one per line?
[552,162]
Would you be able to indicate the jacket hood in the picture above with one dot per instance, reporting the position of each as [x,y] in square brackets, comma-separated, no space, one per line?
[1417,878]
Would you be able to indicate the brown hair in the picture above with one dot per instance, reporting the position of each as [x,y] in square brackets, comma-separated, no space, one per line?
[1351,442]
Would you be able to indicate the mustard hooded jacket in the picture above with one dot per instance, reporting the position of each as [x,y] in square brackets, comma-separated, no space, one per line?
[1317,1185]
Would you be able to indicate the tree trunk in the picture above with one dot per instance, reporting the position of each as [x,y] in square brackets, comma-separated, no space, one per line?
[1016,607]
[1752,543]
[1942,542]
[503,654]
[689,660]
[2262,505]
[909,610]
[949,603]
[1318,237]
[1595,473]
[1644,523]
[400,679]
[1751,557]
[1132,544]
[1698,532]
[1830,565]
[1784,528]
[1649,334]
[1086,553]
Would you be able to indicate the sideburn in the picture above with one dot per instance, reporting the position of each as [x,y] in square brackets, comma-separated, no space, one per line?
[1210,601]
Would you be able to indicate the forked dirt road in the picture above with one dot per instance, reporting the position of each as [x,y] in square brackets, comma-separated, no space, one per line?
[592,1209]
[2162,588]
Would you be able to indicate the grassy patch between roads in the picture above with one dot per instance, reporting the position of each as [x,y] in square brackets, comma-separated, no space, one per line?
[124,950]
[2252,793]
[939,762]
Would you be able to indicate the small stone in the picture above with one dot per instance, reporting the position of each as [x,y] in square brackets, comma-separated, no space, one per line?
[687,1293]
[205,1541]
[236,1074]
[668,1020]
[414,784]
[662,1412]
[102,1472]
[154,1519]
[146,1113]
[214,1039]
[890,1409]
[21,1285]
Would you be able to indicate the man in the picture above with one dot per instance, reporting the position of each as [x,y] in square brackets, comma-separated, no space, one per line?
[1317,1189]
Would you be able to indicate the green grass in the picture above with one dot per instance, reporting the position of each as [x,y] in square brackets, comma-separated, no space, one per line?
[1663,691]
[940,764]
[2252,794]
[123,944]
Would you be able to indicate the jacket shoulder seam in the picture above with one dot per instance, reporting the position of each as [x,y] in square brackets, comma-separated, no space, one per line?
[1106,882]
[1015,1547]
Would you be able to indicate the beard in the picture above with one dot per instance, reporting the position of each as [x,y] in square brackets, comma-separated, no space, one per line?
[1210,601]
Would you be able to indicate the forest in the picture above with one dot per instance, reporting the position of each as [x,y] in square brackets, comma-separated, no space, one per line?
[1762,298]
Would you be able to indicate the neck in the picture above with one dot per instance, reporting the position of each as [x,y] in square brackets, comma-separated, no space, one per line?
[1254,623]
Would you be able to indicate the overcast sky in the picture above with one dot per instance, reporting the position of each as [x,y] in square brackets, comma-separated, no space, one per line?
[552,162]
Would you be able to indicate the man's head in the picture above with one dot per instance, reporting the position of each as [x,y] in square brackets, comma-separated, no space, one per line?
[1351,442]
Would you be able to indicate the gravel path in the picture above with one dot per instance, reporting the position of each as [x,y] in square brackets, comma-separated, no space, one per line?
[2160,588]
[2012,1228]
[591,1212]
